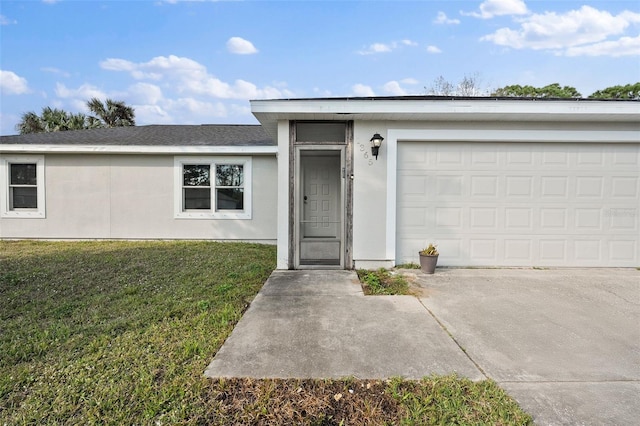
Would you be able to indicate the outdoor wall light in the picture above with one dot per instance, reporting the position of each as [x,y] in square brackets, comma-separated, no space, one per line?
[376,141]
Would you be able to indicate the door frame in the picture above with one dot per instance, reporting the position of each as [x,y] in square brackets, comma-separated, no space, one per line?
[297,201]
[347,193]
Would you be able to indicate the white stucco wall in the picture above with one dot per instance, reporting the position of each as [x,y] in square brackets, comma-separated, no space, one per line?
[283,195]
[132,197]
[369,196]
[374,206]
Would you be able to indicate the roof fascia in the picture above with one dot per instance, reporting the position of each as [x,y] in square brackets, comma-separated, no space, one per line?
[137,149]
[457,106]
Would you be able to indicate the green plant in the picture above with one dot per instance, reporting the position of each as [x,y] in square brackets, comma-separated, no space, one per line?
[381,281]
[431,250]
[410,265]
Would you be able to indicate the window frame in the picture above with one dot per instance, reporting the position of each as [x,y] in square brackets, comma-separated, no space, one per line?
[212,213]
[5,183]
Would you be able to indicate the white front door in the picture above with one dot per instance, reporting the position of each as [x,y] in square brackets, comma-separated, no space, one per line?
[320,197]
[321,208]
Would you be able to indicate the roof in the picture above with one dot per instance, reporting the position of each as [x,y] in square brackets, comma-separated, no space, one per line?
[444,108]
[450,98]
[155,135]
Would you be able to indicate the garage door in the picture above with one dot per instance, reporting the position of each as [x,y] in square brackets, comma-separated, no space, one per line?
[519,204]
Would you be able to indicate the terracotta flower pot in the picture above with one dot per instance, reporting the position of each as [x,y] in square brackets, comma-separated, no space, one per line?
[428,263]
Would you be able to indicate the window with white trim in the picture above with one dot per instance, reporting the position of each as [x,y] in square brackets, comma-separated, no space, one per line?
[22,180]
[213,187]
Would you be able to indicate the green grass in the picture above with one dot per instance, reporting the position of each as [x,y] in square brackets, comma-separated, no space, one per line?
[121,332]
[410,265]
[382,282]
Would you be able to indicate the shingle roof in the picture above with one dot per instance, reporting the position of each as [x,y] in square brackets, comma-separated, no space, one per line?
[154,135]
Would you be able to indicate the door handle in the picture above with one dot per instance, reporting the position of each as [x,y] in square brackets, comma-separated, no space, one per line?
[305,199]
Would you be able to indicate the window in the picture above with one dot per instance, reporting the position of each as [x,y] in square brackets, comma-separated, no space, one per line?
[23,187]
[229,187]
[213,187]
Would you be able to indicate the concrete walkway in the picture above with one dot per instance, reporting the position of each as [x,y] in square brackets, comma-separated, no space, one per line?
[564,342]
[319,324]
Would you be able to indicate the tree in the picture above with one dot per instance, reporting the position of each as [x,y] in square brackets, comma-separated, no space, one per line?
[553,90]
[628,91]
[468,86]
[30,123]
[112,113]
[51,120]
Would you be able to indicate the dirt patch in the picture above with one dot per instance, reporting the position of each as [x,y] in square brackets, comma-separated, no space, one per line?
[415,287]
[294,401]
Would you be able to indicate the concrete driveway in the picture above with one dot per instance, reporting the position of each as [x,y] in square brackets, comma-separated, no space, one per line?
[565,343]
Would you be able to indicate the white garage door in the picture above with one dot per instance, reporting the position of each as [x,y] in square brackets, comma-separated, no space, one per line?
[519,204]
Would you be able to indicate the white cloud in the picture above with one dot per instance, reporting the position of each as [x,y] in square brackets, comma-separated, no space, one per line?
[145,93]
[409,81]
[240,109]
[240,46]
[362,90]
[322,93]
[6,21]
[386,47]
[625,46]
[576,28]
[433,49]
[394,88]
[114,64]
[375,48]
[12,84]
[54,70]
[443,19]
[491,8]
[188,76]
[84,92]
[151,114]
[197,107]
[407,42]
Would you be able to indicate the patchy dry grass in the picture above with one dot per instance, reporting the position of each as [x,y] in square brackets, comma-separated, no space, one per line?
[383,282]
[121,332]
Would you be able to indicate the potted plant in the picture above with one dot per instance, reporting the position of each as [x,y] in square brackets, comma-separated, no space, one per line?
[428,259]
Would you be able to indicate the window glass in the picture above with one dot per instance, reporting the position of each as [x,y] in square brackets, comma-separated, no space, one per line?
[23,198]
[319,131]
[212,187]
[230,199]
[196,175]
[229,175]
[197,198]
[229,191]
[23,174]
[23,178]
[23,189]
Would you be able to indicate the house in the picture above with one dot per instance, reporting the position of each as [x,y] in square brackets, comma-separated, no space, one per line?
[492,181]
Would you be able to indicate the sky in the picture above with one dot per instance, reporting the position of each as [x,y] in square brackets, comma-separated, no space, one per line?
[200,62]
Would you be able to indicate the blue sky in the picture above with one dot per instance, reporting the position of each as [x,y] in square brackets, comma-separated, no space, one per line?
[194,62]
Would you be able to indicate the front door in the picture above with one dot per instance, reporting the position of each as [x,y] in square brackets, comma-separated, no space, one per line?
[320,226]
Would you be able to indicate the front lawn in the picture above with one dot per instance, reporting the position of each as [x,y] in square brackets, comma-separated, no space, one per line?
[121,332]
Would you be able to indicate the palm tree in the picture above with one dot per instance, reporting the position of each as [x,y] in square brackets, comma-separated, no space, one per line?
[30,123]
[112,113]
[54,120]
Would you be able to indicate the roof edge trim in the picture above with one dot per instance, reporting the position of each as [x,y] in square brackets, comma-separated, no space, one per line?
[137,149]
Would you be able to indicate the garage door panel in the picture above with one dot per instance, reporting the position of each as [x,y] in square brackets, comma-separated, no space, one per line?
[532,209]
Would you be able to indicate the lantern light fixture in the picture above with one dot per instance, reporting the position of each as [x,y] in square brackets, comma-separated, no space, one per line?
[376,141]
